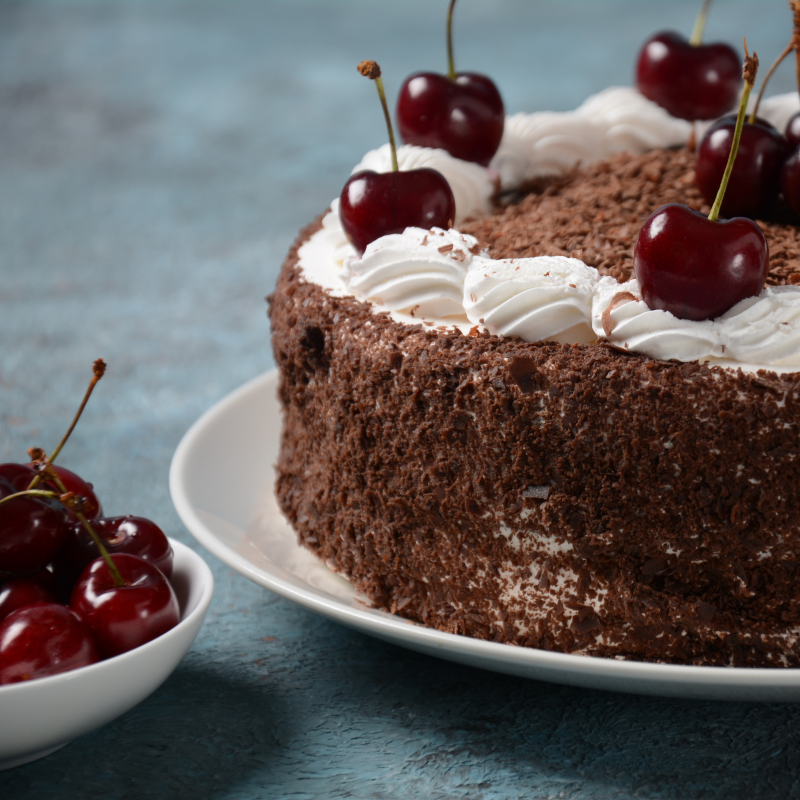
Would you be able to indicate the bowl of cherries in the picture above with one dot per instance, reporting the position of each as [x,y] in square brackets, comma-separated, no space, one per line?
[95,611]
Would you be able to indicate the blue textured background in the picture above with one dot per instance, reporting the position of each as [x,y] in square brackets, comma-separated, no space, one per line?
[156,161]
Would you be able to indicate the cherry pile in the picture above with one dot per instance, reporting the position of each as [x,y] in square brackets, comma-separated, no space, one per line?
[767,161]
[75,586]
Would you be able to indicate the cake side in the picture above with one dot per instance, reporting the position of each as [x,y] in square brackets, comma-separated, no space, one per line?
[540,494]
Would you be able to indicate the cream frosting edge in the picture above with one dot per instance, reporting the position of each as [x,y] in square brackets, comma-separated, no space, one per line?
[440,278]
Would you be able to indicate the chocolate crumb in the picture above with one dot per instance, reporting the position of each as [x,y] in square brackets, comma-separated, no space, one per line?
[561,216]
[618,299]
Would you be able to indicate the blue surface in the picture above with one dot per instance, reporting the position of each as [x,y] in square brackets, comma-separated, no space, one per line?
[156,161]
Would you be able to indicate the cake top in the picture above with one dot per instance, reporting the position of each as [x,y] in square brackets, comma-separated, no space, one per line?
[580,165]
[595,213]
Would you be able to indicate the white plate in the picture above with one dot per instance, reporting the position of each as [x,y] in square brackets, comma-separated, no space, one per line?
[221,482]
[50,712]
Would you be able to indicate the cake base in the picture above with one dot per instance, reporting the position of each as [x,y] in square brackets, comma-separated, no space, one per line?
[569,498]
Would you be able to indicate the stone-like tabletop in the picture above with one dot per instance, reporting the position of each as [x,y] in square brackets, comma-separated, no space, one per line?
[156,161]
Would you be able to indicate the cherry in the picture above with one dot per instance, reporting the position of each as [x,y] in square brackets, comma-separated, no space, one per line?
[697,267]
[46,579]
[135,535]
[75,484]
[19,476]
[689,79]
[792,132]
[755,180]
[43,639]
[32,528]
[790,181]
[124,617]
[19,592]
[375,204]
[460,112]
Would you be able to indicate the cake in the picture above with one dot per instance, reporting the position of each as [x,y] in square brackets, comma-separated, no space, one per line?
[487,432]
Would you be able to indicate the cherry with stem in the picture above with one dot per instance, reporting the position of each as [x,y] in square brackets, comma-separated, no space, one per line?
[460,112]
[376,204]
[790,172]
[754,182]
[689,79]
[32,526]
[699,267]
[44,469]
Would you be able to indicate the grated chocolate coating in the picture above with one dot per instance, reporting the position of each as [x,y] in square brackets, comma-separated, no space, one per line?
[599,210]
[569,498]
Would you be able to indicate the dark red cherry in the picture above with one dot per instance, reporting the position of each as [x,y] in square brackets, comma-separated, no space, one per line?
[755,180]
[32,529]
[43,639]
[464,116]
[134,535]
[790,181]
[695,268]
[18,475]
[461,112]
[20,592]
[690,82]
[45,578]
[792,132]
[78,486]
[124,617]
[374,204]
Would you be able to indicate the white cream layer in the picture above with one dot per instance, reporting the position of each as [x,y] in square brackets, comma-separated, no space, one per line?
[440,278]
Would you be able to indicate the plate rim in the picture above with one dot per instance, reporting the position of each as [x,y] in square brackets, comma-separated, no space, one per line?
[647,675]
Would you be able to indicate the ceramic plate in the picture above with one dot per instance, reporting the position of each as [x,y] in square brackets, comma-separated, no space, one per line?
[221,482]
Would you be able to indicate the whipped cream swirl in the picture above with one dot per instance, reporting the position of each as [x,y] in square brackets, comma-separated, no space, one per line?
[535,299]
[419,272]
[615,120]
[472,185]
[762,330]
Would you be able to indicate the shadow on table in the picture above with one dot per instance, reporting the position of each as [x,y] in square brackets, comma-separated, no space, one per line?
[355,717]
[503,733]
[152,752]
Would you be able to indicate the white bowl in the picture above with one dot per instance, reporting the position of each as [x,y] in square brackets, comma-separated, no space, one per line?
[42,715]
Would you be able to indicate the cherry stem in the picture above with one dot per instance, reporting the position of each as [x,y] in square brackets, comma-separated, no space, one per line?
[371,70]
[754,113]
[118,579]
[797,65]
[28,493]
[795,6]
[749,76]
[98,370]
[700,25]
[112,567]
[451,67]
